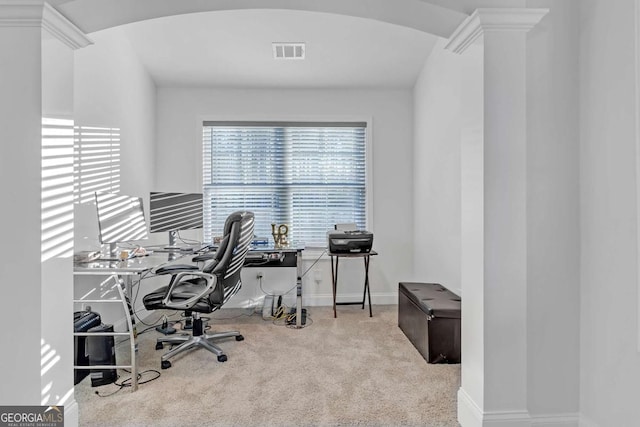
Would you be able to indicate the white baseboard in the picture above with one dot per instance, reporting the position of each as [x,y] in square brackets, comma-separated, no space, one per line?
[322,300]
[556,420]
[470,415]
[326,300]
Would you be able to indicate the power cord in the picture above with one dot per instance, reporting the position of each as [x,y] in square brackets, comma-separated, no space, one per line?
[281,313]
[314,263]
[274,295]
[186,241]
[291,322]
[128,383]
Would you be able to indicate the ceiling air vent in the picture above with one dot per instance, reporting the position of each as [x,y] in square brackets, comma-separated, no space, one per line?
[288,50]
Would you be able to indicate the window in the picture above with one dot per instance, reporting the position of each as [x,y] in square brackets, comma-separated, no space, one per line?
[309,176]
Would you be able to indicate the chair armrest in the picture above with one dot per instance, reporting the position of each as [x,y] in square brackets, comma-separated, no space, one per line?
[174,268]
[203,257]
[186,304]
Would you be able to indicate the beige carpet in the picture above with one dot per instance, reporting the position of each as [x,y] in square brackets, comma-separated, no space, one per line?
[353,370]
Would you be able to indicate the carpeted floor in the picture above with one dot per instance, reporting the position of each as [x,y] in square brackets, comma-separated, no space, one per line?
[349,371]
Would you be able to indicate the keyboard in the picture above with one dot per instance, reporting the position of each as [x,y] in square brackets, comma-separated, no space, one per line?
[254,256]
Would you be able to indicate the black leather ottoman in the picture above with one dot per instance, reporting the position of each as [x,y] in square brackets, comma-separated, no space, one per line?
[429,315]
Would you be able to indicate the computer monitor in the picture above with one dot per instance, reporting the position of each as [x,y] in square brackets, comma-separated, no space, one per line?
[173,212]
[120,219]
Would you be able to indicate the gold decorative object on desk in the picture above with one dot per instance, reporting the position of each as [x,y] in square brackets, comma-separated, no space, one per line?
[279,233]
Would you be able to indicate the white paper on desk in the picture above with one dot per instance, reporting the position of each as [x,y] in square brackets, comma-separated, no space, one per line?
[346,227]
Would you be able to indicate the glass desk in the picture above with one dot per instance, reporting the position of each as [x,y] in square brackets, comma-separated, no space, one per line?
[269,256]
[291,256]
[120,277]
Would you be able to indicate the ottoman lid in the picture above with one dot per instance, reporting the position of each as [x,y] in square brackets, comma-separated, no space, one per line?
[433,299]
[446,307]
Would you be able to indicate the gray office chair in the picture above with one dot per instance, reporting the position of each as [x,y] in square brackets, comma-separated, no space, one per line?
[206,290]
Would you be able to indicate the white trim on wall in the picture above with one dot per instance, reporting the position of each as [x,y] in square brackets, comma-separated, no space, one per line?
[483,20]
[36,13]
[470,415]
[63,29]
[556,420]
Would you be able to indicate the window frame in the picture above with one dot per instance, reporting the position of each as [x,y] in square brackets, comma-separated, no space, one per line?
[369,149]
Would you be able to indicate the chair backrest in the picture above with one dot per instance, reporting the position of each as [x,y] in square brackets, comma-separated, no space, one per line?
[230,255]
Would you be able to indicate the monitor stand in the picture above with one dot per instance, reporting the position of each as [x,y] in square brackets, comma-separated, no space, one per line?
[174,246]
[173,241]
[113,250]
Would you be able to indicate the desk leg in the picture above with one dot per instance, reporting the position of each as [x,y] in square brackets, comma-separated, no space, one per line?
[334,282]
[131,325]
[364,290]
[367,291]
[299,289]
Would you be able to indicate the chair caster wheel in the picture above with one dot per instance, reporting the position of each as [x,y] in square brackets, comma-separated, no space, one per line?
[165,364]
[159,346]
[222,358]
[239,338]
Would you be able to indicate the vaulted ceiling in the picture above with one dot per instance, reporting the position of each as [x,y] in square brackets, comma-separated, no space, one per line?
[234,49]
[354,44]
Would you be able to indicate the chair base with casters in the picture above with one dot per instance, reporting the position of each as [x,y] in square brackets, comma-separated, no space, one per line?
[198,340]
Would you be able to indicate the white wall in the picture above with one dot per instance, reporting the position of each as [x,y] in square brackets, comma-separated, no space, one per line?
[20,177]
[448,163]
[57,295]
[436,169]
[57,79]
[553,277]
[609,358]
[448,197]
[113,89]
[180,115]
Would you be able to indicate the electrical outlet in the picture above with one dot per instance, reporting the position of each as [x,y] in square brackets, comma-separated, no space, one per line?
[259,275]
[317,276]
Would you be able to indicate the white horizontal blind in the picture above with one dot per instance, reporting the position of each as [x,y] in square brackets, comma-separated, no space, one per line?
[309,176]
[96,161]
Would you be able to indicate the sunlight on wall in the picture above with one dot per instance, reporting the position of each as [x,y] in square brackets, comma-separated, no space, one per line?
[57,188]
[48,359]
[96,161]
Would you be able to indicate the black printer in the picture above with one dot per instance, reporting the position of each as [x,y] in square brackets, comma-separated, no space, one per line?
[349,241]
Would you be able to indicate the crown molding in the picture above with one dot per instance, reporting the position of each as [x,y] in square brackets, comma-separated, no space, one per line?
[16,13]
[38,13]
[487,20]
[63,29]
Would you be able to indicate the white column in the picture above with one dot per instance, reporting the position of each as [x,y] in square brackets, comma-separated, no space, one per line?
[20,116]
[60,39]
[494,261]
[35,293]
